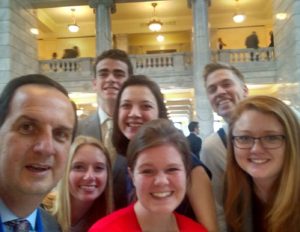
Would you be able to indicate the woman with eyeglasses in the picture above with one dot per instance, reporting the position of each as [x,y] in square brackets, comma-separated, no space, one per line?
[262,189]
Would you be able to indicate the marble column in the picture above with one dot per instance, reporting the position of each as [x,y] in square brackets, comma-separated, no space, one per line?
[103,8]
[18,47]
[287,44]
[201,56]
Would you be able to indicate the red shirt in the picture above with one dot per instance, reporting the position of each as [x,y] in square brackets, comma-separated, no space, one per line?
[125,220]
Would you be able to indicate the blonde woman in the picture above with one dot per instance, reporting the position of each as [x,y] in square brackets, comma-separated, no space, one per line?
[262,190]
[84,194]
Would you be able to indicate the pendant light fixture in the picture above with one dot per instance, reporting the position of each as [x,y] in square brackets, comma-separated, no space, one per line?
[238,17]
[73,27]
[154,24]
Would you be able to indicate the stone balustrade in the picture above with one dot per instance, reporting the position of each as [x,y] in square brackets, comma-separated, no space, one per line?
[78,65]
[244,55]
[168,69]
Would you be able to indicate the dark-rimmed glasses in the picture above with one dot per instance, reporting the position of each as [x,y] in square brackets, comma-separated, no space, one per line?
[268,141]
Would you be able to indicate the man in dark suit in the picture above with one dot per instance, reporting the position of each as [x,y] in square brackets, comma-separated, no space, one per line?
[252,42]
[111,69]
[37,124]
[193,138]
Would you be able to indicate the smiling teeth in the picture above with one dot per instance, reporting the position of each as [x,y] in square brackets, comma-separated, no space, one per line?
[258,161]
[88,187]
[135,124]
[223,102]
[162,194]
[39,167]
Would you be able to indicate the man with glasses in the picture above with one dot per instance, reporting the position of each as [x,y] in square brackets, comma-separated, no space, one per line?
[225,88]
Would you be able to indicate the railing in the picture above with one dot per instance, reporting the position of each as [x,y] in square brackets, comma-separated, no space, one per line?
[179,61]
[159,63]
[244,55]
[82,65]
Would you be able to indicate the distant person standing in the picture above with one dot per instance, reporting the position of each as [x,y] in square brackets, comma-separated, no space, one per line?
[271,39]
[271,45]
[75,52]
[53,65]
[194,140]
[221,44]
[252,42]
[54,55]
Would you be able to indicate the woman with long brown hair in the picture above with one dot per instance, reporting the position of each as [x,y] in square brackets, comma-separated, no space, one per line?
[262,190]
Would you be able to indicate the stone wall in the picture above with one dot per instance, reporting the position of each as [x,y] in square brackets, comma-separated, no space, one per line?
[18,47]
[287,47]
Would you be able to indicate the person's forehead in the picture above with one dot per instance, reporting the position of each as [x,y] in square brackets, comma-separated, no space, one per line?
[109,63]
[40,95]
[221,75]
[144,93]
[39,89]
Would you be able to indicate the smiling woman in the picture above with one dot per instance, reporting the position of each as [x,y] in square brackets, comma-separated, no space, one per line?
[85,193]
[264,135]
[160,167]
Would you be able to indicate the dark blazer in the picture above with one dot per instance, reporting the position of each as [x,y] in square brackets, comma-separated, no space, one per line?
[91,126]
[195,143]
[49,222]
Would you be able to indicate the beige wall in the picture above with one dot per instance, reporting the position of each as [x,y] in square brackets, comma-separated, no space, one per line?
[86,45]
[141,43]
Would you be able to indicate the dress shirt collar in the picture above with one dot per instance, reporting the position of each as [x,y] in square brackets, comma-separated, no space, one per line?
[102,115]
[7,215]
[225,127]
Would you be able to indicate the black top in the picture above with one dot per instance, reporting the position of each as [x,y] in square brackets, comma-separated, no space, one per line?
[195,143]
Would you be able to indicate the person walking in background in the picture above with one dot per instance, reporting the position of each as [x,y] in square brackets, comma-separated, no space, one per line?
[159,165]
[194,140]
[37,125]
[252,42]
[262,190]
[220,44]
[84,195]
[225,88]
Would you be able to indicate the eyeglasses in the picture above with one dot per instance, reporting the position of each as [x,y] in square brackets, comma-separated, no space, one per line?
[268,141]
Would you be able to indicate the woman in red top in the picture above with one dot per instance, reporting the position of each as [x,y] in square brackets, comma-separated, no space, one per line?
[159,164]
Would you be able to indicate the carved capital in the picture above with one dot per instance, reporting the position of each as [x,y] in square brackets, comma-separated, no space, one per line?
[107,3]
[189,2]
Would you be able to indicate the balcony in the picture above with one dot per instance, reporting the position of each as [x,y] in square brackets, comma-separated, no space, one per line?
[172,70]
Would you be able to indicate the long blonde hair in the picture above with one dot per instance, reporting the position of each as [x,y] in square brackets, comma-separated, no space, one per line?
[284,211]
[102,206]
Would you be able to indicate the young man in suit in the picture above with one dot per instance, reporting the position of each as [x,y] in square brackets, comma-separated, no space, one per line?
[111,69]
[37,124]
[194,140]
